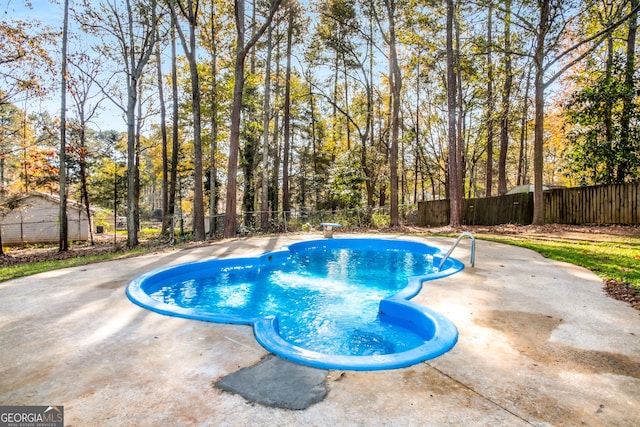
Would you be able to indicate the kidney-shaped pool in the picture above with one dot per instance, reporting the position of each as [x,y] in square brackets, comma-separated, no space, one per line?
[332,303]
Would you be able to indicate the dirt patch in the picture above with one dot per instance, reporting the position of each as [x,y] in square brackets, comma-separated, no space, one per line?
[529,334]
[623,291]
[113,284]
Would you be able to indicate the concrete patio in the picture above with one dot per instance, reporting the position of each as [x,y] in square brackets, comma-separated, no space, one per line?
[539,344]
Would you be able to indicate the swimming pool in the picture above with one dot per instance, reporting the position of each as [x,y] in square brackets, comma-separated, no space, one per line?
[331,303]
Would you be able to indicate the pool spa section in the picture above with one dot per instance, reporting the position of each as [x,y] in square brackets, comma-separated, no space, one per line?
[339,303]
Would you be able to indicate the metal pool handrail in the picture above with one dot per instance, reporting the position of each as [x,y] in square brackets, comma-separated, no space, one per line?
[473,249]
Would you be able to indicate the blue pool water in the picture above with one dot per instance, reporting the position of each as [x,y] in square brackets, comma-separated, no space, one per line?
[333,303]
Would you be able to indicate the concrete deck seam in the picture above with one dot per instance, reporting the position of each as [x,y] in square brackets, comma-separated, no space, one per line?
[472,390]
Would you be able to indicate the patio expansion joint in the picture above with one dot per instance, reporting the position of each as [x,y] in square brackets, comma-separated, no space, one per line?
[477,393]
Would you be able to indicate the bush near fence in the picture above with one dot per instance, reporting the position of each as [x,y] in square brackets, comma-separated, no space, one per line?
[601,204]
[305,220]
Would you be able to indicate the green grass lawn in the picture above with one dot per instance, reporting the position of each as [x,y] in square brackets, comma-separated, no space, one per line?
[21,270]
[27,269]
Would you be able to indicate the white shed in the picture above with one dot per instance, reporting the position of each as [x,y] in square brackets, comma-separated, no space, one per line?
[34,218]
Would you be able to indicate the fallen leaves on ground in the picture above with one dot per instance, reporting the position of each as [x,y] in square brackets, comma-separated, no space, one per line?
[623,291]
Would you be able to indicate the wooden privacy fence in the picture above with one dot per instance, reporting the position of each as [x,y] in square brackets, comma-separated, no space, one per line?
[601,204]
[509,209]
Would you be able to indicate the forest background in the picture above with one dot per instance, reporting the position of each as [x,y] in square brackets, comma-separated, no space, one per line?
[279,108]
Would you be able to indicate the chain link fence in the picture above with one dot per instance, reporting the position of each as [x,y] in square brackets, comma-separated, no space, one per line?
[260,222]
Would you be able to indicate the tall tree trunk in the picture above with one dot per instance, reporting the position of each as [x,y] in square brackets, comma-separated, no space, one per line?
[303,178]
[253,26]
[115,203]
[314,145]
[83,175]
[175,142]
[234,142]
[275,145]
[264,197]
[490,102]
[608,113]
[396,89]
[416,156]
[198,188]
[132,213]
[506,101]
[137,59]
[454,196]
[166,220]
[522,174]
[139,121]
[287,122]
[538,142]
[370,170]
[334,112]
[383,146]
[248,162]
[238,86]
[346,100]
[190,13]
[249,149]
[460,122]
[132,99]
[402,166]
[213,171]
[64,238]
[629,95]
